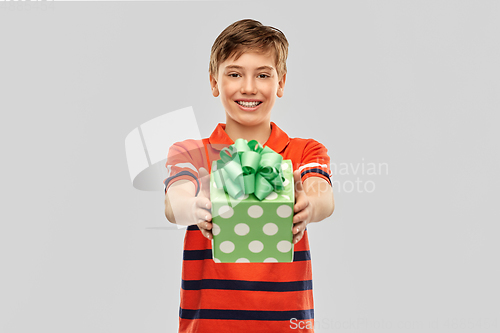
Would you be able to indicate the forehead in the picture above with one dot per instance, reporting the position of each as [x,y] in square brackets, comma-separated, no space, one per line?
[251,60]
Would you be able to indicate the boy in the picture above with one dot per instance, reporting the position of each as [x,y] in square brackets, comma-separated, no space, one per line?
[247,71]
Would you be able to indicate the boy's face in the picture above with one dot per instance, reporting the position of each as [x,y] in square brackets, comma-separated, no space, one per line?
[248,87]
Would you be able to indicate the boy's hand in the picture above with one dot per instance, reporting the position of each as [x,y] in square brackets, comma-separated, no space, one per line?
[202,205]
[303,209]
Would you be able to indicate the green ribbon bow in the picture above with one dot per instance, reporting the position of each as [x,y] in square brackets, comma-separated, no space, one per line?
[246,167]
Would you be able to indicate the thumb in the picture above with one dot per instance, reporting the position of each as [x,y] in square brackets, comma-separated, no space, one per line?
[204,177]
[296,175]
[202,172]
[297,180]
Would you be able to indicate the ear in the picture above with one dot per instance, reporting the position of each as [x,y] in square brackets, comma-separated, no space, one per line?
[281,86]
[213,85]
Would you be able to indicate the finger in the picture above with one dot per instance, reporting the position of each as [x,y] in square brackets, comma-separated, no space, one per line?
[298,237]
[206,234]
[203,215]
[204,181]
[301,203]
[297,179]
[203,202]
[204,225]
[202,172]
[301,217]
[296,176]
[298,227]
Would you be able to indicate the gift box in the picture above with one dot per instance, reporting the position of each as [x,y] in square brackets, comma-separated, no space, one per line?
[256,226]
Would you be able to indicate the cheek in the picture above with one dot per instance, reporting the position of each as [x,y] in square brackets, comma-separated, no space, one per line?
[271,94]
[270,88]
[228,90]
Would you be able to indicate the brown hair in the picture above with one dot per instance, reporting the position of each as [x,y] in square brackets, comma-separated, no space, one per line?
[249,35]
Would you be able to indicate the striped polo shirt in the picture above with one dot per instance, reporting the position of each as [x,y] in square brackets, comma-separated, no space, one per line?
[244,297]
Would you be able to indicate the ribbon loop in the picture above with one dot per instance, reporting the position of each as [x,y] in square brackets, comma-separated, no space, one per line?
[247,167]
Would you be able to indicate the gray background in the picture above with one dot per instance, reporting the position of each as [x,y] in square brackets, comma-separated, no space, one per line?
[412,84]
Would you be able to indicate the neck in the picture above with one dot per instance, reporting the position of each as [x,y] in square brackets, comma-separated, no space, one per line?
[260,132]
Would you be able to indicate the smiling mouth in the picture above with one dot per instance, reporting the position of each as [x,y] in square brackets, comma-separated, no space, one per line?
[249,104]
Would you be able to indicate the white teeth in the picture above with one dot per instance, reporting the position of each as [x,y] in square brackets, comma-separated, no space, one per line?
[248,104]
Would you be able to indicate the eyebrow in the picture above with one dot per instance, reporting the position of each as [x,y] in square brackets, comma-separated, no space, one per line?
[241,68]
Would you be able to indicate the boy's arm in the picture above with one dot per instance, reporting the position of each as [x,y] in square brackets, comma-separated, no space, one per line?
[320,194]
[313,203]
[184,207]
[187,185]
[176,196]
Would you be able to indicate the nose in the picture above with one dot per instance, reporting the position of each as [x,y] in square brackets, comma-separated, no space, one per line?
[248,86]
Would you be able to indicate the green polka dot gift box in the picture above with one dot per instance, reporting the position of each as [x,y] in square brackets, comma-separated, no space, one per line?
[252,207]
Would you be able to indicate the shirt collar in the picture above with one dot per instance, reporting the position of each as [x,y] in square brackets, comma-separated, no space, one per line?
[277,141]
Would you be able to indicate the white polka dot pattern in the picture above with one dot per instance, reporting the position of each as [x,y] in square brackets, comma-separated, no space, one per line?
[255,211]
[226,246]
[248,230]
[284,211]
[270,259]
[215,229]
[241,229]
[255,246]
[270,229]
[284,246]
[272,196]
[226,211]
[242,260]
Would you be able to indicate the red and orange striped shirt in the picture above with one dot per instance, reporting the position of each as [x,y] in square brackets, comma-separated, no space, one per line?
[244,297]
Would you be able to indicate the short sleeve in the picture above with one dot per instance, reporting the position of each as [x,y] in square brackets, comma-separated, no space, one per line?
[183,162]
[315,161]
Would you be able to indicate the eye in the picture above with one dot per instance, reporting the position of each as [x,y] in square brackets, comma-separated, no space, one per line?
[263,76]
[233,74]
